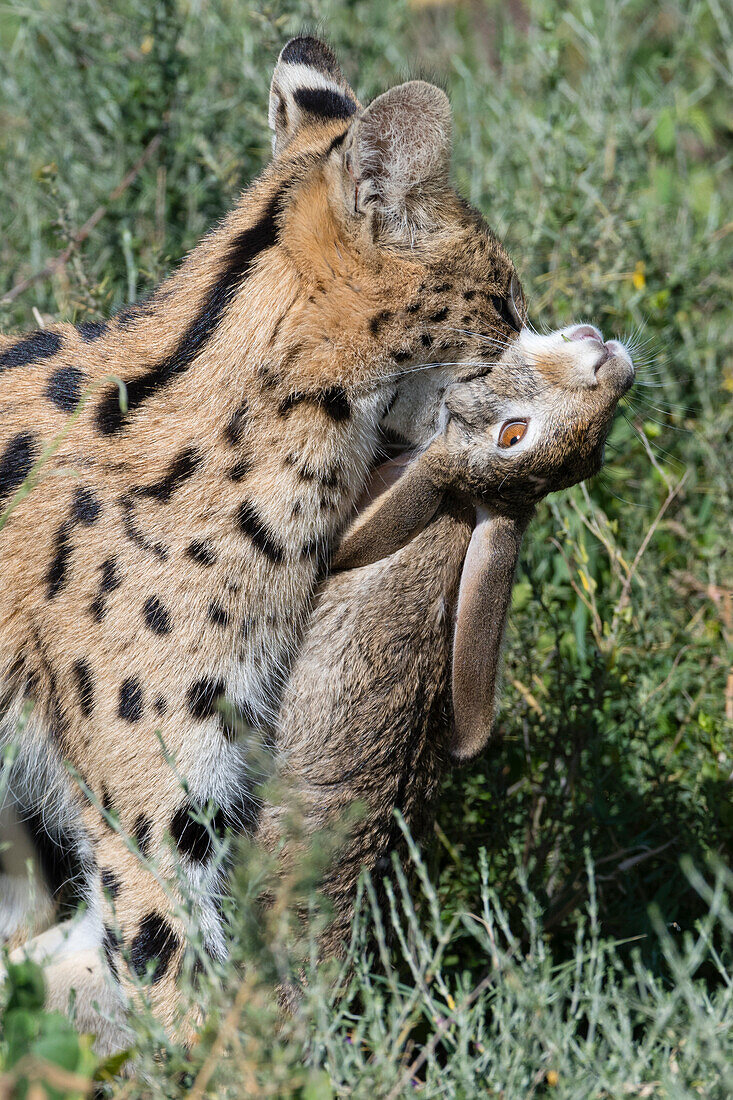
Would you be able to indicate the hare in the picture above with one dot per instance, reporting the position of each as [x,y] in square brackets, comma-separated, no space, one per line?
[398,672]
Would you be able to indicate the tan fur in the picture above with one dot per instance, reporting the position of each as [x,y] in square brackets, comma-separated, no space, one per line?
[167,557]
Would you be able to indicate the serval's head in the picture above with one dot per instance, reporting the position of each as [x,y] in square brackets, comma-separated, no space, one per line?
[401,270]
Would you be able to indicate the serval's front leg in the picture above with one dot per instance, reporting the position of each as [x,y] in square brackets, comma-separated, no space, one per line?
[145,919]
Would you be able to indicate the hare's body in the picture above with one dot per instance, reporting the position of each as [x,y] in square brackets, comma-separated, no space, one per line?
[367,713]
[398,671]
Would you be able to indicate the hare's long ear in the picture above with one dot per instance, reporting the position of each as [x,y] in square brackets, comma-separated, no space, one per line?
[483,602]
[394,518]
[308,89]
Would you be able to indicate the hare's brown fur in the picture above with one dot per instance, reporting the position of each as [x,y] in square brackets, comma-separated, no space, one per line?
[398,670]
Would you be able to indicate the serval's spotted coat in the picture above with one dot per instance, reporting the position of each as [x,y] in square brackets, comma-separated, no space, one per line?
[168,556]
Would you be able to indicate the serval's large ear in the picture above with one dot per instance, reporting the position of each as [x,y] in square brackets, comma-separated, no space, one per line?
[308,89]
[398,156]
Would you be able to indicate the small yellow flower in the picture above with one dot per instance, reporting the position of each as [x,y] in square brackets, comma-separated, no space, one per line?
[638,278]
[147,44]
[552,1077]
[451,1003]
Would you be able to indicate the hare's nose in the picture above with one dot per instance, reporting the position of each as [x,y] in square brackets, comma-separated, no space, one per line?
[586,332]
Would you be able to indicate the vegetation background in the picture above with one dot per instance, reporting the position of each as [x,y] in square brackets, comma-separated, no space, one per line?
[572,934]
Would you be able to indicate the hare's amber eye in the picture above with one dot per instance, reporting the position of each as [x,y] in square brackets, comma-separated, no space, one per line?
[512,432]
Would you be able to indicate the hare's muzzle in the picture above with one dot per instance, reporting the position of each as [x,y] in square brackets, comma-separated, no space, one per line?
[607,362]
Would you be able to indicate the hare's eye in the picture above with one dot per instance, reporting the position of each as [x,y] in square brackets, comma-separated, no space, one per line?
[512,432]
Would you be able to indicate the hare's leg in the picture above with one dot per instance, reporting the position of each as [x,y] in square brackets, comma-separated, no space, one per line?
[98,1002]
[82,932]
[26,905]
[74,967]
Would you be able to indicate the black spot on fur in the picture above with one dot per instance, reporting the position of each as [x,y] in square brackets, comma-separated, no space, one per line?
[64,388]
[110,577]
[91,330]
[250,523]
[218,615]
[141,831]
[109,582]
[401,356]
[324,103]
[37,345]
[193,838]
[84,685]
[56,575]
[269,377]
[288,403]
[413,307]
[329,478]
[378,320]
[110,946]
[440,315]
[160,704]
[442,288]
[127,314]
[234,430]
[85,507]
[110,882]
[240,469]
[155,941]
[426,340]
[130,705]
[110,813]
[243,253]
[183,466]
[203,696]
[135,535]
[16,462]
[469,294]
[202,552]
[156,616]
[97,609]
[335,403]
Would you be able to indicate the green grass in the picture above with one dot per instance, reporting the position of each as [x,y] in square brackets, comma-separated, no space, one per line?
[596,139]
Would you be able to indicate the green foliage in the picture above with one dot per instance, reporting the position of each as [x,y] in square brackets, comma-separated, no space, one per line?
[39,1050]
[595,136]
[403,1017]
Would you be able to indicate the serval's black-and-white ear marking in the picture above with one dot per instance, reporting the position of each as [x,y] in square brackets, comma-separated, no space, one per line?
[308,89]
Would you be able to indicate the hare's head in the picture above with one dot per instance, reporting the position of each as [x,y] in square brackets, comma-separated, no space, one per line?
[536,422]
[533,422]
